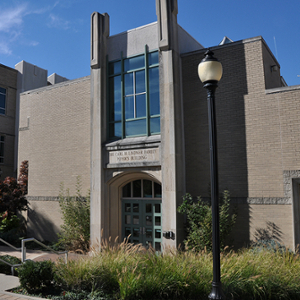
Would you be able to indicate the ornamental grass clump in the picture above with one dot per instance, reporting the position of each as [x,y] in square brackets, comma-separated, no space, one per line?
[126,271]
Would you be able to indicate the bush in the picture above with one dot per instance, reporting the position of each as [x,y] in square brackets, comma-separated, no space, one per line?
[6,269]
[199,221]
[34,276]
[75,233]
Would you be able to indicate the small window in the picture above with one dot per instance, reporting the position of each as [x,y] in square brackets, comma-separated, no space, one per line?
[142,189]
[2,100]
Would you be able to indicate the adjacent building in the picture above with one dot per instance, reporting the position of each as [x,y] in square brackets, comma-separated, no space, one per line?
[136,132]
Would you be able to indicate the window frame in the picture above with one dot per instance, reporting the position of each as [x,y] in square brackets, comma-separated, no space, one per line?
[123,121]
[3,109]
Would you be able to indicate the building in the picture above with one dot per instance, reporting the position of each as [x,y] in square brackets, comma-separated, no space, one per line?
[136,132]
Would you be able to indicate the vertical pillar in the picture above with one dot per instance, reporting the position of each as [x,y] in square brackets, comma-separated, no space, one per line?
[172,136]
[99,36]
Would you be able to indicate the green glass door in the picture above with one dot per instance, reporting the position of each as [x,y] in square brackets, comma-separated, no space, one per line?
[141,221]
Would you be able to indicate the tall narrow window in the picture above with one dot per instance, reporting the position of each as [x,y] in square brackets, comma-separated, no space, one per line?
[2,100]
[2,149]
[134,96]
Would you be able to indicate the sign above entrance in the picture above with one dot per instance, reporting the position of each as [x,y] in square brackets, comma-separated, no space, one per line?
[134,156]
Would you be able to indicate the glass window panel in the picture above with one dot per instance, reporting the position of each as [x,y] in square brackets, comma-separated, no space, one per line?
[147,189]
[152,58]
[157,208]
[155,125]
[2,111]
[137,188]
[135,220]
[127,219]
[137,127]
[115,130]
[157,233]
[157,247]
[127,207]
[1,160]
[148,208]
[115,68]
[127,190]
[2,90]
[2,138]
[157,221]
[136,232]
[140,106]
[149,233]
[157,190]
[127,231]
[148,220]
[115,103]
[135,207]
[136,241]
[129,107]
[140,82]
[154,91]
[2,101]
[134,63]
[128,79]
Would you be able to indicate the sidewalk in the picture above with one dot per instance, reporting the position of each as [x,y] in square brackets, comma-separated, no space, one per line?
[8,282]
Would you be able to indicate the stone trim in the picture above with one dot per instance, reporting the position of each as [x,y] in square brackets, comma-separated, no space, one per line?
[42,198]
[288,175]
[258,200]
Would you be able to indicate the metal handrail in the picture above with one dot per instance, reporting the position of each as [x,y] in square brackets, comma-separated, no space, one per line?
[10,245]
[23,251]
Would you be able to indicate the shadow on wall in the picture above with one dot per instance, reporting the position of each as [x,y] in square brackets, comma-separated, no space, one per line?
[231,132]
[41,227]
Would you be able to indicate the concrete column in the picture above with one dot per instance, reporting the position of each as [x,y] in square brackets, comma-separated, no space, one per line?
[172,137]
[99,35]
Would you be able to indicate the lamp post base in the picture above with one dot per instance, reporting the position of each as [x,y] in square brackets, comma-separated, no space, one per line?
[216,292]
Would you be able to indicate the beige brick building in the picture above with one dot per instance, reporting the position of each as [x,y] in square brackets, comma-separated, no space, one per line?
[136,131]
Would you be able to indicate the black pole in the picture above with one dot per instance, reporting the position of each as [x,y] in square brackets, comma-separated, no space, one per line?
[216,292]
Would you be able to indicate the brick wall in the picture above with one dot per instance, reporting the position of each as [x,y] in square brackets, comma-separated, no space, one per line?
[54,136]
[258,135]
[57,141]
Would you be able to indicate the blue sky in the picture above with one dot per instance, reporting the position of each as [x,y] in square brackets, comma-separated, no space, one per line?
[55,34]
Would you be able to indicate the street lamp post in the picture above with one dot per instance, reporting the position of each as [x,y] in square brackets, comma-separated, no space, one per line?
[210,72]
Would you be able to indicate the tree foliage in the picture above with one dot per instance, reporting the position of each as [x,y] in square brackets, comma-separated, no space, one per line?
[12,193]
[75,232]
[199,221]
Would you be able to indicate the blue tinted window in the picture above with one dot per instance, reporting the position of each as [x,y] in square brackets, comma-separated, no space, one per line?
[140,82]
[134,63]
[137,127]
[140,106]
[115,68]
[134,106]
[115,109]
[129,107]
[152,58]
[155,125]
[154,91]
[128,79]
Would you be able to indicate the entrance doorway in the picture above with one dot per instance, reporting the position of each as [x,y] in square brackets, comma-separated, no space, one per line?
[141,213]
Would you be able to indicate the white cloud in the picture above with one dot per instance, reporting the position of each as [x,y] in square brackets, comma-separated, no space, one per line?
[12,18]
[57,22]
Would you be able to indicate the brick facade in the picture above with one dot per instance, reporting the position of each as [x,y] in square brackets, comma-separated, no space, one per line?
[258,132]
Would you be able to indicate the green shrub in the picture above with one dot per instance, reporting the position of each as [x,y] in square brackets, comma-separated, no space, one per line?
[75,231]
[34,276]
[6,269]
[9,224]
[199,221]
